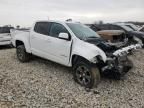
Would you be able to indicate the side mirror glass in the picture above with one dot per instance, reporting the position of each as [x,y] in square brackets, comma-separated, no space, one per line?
[64,36]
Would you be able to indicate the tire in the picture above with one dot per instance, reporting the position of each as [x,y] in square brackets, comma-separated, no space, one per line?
[22,55]
[85,74]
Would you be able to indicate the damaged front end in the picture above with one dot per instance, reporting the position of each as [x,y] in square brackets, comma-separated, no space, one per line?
[116,67]
[117,63]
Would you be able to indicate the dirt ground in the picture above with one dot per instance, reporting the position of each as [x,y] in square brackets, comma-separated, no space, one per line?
[44,84]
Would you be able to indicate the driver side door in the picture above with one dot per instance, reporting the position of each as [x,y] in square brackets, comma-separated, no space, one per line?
[58,48]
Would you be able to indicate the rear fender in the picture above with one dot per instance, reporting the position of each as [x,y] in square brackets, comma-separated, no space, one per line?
[23,37]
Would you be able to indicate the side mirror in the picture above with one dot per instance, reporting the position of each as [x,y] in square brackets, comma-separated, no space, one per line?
[64,36]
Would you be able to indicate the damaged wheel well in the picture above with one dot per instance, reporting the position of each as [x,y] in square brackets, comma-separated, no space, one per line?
[75,58]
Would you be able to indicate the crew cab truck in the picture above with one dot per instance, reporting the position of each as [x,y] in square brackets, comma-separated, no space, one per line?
[74,45]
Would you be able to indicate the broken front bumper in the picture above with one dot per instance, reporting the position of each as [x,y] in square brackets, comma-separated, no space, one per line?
[119,64]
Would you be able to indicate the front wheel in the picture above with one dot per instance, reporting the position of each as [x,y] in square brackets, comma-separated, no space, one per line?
[86,75]
[22,55]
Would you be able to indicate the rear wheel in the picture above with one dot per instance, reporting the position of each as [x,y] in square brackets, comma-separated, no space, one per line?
[22,55]
[85,74]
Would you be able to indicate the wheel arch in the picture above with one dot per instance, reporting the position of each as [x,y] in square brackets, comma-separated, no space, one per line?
[76,57]
[19,42]
[94,71]
[25,43]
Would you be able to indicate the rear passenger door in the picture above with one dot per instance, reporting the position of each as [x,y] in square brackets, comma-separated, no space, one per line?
[39,40]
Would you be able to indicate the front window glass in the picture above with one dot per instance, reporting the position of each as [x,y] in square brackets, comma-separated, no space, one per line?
[56,29]
[82,32]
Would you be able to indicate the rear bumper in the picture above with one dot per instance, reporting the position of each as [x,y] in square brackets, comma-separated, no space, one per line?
[5,42]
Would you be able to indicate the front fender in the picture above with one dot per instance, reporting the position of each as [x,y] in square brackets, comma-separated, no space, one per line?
[88,51]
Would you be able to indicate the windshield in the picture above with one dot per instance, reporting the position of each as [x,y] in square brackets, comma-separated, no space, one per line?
[126,28]
[82,32]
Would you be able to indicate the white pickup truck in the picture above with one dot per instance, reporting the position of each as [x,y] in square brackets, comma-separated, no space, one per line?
[5,36]
[74,45]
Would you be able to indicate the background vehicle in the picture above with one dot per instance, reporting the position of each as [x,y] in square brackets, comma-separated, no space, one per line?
[5,36]
[130,25]
[133,36]
[77,46]
[114,37]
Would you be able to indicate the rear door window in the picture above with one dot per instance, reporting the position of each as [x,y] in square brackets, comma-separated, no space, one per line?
[42,28]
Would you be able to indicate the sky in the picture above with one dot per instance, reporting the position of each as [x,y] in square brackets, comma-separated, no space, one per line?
[25,12]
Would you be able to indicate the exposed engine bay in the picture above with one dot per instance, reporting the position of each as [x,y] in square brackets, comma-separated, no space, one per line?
[117,63]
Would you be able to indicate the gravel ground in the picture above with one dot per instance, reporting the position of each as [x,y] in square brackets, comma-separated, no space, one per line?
[44,84]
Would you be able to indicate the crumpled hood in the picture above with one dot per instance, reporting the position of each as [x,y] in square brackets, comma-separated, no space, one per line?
[99,42]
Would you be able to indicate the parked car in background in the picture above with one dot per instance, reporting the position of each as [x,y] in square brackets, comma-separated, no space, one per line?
[5,36]
[133,36]
[115,37]
[130,25]
[74,45]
